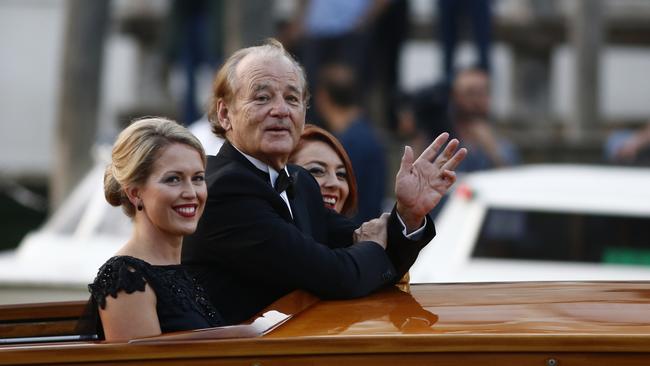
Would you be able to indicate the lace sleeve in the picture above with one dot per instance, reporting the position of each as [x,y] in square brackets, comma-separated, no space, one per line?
[120,273]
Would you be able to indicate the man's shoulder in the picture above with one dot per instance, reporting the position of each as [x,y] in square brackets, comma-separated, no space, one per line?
[301,177]
[228,176]
[298,170]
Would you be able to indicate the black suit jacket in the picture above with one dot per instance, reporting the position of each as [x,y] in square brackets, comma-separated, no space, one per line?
[249,252]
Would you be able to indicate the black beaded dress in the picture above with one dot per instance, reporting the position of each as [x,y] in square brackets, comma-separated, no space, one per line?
[182,303]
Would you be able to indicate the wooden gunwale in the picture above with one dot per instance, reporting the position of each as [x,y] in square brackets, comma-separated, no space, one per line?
[605,320]
[45,310]
[334,345]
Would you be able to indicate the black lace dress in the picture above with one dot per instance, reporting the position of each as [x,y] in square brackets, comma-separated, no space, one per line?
[182,302]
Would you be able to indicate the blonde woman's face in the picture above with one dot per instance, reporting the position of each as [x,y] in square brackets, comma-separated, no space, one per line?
[175,192]
[324,164]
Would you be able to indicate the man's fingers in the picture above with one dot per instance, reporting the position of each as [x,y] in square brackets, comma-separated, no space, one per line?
[447,153]
[455,160]
[407,159]
[449,176]
[432,150]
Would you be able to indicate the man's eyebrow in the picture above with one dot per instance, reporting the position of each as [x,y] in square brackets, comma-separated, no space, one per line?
[260,86]
[294,89]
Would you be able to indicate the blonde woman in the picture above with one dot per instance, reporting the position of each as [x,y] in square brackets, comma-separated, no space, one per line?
[157,176]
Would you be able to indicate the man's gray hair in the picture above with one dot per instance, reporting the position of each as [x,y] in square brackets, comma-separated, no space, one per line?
[225,82]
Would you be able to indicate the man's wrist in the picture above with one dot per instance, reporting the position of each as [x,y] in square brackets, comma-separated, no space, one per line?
[411,222]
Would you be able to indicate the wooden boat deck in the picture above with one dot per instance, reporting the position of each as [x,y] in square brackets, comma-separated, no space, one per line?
[536,323]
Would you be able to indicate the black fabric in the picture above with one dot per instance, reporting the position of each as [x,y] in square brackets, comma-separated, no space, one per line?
[283,182]
[182,302]
[249,251]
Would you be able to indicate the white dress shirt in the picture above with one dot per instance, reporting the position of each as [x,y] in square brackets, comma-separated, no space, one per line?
[273,175]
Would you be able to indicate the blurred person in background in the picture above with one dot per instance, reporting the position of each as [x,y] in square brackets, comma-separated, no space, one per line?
[423,114]
[157,176]
[334,31]
[470,119]
[469,114]
[381,73]
[193,40]
[453,18]
[463,109]
[338,99]
[629,146]
[325,158]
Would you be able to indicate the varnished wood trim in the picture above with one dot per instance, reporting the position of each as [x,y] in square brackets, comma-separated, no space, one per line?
[361,345]
[38,328]
[46,310]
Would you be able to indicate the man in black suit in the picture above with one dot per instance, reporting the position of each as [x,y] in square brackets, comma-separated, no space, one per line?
[265,230]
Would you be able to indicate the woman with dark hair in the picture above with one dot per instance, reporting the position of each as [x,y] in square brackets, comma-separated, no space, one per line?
[325,158]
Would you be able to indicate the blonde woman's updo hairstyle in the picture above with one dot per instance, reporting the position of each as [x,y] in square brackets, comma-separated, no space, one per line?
[136,149]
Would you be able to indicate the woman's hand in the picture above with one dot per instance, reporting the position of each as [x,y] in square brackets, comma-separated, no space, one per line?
[375,230]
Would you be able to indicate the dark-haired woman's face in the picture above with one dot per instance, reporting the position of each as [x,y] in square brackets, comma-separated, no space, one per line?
[175,192]
[326,166]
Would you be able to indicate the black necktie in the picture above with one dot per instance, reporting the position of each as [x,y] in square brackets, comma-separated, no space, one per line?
[283,182]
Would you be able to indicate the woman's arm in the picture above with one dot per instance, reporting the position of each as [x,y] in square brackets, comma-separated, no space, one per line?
[130,316]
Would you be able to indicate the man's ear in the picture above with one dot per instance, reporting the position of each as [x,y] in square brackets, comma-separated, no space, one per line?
[223,114]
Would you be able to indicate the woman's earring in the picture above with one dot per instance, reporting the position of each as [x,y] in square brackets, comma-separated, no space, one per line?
[140,205]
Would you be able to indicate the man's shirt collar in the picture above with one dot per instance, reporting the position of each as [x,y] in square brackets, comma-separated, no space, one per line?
[273,174]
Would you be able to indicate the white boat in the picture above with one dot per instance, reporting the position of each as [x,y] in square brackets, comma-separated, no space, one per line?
[547,222]
[57,261]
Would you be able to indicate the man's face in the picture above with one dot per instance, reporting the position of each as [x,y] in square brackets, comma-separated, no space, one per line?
[472,94]
[267,113]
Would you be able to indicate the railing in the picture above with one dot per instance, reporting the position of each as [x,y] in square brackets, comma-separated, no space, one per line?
[40,322]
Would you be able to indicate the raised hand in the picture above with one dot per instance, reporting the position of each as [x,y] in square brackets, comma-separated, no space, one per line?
[420,184]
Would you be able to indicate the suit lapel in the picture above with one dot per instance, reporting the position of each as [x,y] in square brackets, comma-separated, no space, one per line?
[230,153]
[298,206]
